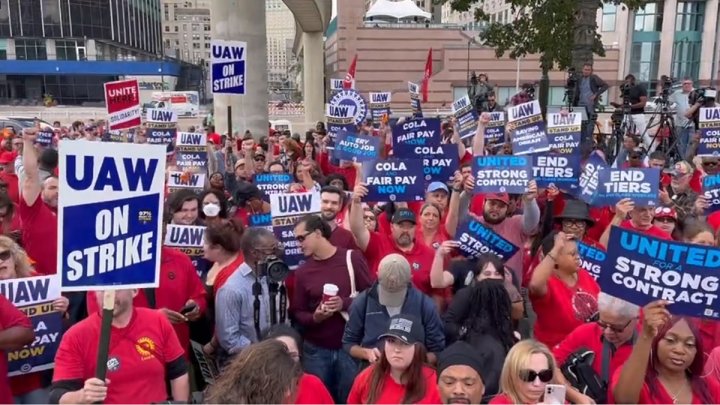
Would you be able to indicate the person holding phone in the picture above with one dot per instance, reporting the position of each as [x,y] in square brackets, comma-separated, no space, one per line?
[529,368]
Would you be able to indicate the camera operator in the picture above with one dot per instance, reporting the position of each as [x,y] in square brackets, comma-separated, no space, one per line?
[243,308]
[697,99]
[634,97]
[479,91]
[681,98]
[587,91]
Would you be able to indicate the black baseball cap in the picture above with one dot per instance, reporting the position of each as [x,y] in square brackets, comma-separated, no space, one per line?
[404,214]
[406,328]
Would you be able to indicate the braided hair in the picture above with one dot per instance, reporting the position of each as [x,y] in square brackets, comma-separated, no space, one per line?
[490,312]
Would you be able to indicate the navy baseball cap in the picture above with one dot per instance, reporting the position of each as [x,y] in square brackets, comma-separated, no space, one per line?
[405,328]
[404,214]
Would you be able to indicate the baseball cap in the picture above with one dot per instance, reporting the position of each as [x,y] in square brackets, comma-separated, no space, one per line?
[436,186]
[240,162]
[7,157]
[405,328]
[683,166]
[394,276]
[214,138]
[663,212]
[504,197]
[404,214]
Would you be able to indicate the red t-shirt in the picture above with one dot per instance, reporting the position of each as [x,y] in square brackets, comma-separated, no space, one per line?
[439,237]
[10,317]
[563,308]
[653,231]
[420,257]
[13,185]
[39,235]
[137,359]
[501,399]
[311,390]
[660,396]
[179,282]
[350,172]
[392,392]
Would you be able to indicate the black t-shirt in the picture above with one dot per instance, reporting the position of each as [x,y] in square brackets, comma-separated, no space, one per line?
[635,93]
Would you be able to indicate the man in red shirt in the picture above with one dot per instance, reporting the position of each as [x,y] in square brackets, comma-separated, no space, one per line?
[144,350]
[611,339]
[641,220]
[15,332]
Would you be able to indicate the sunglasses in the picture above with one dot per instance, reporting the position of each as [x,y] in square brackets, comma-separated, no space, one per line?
[614,328]
[5,255]
[301,238]
[259,158]
[530,375]
[710,164]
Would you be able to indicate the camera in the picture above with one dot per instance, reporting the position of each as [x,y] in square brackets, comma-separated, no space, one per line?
[705,95]
[572,79]
[274,268]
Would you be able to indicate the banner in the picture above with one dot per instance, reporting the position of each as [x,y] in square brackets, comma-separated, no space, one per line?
[349,103]
[502,174]
[191,150]
[641,269]
[356,148]
[260,221]
[495,130]
[466,116]
[476,239]
[34,296]
[415,132]
[561,171]
[394,180]
[339,119]
[161,126]
[270,183]
[592,258]
[228,66]
[639,185]
[711,190]
[589,178]
[180,180]
[380,105]
[190,240]
[527,129]
[336,85]
[110,215]
[45,137]
[439,162]
[415,103]
[286,210]
[122,99]
[709,132]
[564,132]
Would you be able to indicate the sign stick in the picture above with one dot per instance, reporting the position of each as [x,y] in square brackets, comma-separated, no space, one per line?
[104,345]
[229,120]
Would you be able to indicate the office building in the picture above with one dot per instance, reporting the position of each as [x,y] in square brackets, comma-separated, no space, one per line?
[280,28]
[186,30]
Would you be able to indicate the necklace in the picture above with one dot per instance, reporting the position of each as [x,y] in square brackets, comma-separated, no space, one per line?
[679,391]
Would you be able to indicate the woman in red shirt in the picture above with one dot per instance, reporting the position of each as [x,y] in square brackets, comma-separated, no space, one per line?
[529,367]
[666,364]
[563,295]
[400,375]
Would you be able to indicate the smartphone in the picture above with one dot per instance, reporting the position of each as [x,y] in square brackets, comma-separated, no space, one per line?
[554,394]
[190,307]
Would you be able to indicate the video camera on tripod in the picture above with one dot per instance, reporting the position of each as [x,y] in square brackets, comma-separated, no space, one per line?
[276,271]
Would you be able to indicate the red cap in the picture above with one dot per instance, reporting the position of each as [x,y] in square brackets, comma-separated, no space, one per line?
[214,138]
[504,197]
[665,212]
[7,157]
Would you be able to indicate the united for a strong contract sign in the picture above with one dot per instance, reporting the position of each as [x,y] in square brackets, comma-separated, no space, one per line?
[110,215]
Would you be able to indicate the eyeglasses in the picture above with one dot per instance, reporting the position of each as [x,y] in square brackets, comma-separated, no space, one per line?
[530,375]
[574,223]
[4,255]
[665,220]
[614,328]
[301,238]
[369,218]
[679,175]
[259,158]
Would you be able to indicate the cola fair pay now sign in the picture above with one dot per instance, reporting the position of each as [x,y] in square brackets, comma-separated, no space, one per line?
[123,104]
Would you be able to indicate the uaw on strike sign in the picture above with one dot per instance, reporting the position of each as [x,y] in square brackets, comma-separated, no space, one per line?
[228,67]
[123,104]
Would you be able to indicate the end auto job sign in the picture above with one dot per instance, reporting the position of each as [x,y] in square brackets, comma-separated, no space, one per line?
[110,215]
[122,99]
[228,67]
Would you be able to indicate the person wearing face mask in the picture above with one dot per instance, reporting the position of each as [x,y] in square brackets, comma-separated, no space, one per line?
[528,368]
[214,207]
[641,220]
[461,375]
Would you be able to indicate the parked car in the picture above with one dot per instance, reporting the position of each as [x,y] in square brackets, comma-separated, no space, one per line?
[19,123]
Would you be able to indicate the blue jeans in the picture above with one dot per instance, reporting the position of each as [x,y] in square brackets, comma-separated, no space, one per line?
[684,136]
[335,368]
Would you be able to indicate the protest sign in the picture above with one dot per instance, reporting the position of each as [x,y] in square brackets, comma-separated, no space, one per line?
[189,239]
[466,116]
[348,103]
[180,180]
[34,296]
[260,221]
[394,180]
[228,66]
[476,239]
[338,120]
[711,190]
[161,126]
[439,162]
[191,150]
[357,148]
[495,129]
[589,178]
[117,136]
[592,258]
[641,269]
[122,99]
[561,171]
[639,185]
[709,124]
[286,210]
[502,174]
[563,133]
[272,183]
[336,85]
[110,215]
[415,132]
[379,105]
[45,137]
[415,103]
[161,115]
[527,129]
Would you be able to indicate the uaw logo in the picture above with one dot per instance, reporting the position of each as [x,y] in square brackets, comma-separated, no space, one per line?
[145,347]
[145,216]
[351,103]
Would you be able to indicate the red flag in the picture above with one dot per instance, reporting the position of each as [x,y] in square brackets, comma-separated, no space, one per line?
[426,78]
[350,76]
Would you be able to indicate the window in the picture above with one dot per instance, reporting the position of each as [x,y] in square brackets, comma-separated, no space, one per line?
[644,63]
[609,13]
[690,16]
[167,28]
[686,59]
[3,49]
[30,49]
[176,28]
[649,18]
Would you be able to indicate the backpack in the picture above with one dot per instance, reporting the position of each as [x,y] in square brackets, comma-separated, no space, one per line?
[579,372]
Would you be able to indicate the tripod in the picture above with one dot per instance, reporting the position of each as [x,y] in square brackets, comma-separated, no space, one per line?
[622,125]
[666,135]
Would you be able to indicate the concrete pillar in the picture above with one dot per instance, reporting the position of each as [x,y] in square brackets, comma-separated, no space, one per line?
[708,69]
[667,39]
[313,76]
[238,20]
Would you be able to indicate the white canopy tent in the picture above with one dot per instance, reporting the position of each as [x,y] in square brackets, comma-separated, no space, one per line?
[397,9]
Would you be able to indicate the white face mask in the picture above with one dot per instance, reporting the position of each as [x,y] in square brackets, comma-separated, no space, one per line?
[211,210]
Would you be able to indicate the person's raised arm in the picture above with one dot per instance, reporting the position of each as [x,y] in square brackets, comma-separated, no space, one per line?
[453,215]
[31,187]
[542,273]
[357,221]
[531,210]
[622,208]
[478,145]
[456,139]
[439,278]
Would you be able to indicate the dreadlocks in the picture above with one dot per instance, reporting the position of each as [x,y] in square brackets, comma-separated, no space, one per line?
[490,311]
